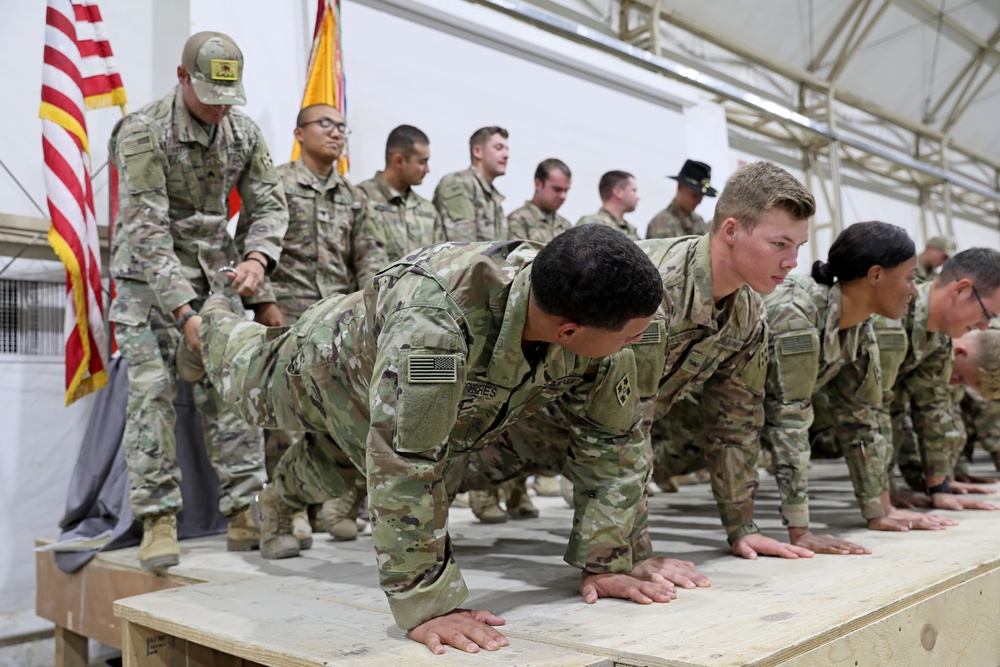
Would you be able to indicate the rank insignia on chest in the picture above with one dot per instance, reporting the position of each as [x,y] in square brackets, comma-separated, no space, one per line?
[432,368]
[226,70]
[623,390]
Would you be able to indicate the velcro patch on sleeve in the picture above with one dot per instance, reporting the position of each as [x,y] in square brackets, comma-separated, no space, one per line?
[891,340]
[136,145]
[652,334]
[798,344]
[432,368]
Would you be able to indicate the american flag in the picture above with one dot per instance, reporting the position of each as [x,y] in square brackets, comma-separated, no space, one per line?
[422,368]
[79,72]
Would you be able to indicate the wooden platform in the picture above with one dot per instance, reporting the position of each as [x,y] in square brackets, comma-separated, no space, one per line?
[920,599]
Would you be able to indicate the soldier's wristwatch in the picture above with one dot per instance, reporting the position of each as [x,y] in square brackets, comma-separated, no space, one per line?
[182,320]
[943,487]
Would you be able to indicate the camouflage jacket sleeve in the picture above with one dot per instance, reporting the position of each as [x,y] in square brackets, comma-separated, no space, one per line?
[928,389]
[517,227]
[788,408]
[856,407]
[407,453]
[144,241]
[368,243]
[608,466]
[263,212]
[454,200]
[734,396]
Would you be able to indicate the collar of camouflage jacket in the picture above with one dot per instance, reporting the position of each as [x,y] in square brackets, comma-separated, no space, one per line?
[189,130]
[307,177]
[391,194]
[508,364]
[488,188]
[836,346]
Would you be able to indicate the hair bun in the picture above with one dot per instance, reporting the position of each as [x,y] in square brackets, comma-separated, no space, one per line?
[822,273]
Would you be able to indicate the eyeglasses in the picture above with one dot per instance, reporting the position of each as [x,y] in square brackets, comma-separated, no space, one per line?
[327,124]
[982,305]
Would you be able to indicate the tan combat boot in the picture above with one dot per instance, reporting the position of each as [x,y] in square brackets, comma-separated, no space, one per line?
[274,518]
[545,486]
[486,506]
[301,529]
[159,549]
[242,534]
[340,515]
[519,505]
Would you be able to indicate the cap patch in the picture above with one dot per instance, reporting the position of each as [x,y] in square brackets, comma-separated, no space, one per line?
[432,368]
[225,70]
[623,390]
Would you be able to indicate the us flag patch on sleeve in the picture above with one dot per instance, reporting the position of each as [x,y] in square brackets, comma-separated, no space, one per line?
[432,368]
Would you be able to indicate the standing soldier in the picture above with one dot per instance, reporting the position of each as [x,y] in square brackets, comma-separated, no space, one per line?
[179,159]
[937,252]
[538,219]
[679,219]
[619,195]
[331,247]
[469,204]
[407,220]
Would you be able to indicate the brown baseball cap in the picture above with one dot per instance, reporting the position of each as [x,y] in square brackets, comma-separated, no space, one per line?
[215,65]
[942,243]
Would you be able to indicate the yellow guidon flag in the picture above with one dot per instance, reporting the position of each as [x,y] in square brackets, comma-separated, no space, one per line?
[325,75]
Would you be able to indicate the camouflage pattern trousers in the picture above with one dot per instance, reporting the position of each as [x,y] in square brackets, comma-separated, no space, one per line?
[234,448]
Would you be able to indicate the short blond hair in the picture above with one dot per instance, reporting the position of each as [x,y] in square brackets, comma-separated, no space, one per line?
[986,358]
[756,188]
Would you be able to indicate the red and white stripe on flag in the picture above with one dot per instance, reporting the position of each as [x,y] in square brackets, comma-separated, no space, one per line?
[78,71]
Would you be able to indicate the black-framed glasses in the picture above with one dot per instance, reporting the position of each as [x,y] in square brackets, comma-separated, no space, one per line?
[327,124]
[982,305]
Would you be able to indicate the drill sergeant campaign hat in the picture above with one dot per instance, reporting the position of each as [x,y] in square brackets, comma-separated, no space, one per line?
[696,176]
[215,66]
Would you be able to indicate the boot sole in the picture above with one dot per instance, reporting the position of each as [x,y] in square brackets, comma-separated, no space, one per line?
[160,562]
[489,519]
[242,545]
[278,555]
[306,544]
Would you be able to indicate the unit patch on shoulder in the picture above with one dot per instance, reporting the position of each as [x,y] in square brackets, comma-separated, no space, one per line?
[432,368]
[136,145]
[226,70]
[623,390]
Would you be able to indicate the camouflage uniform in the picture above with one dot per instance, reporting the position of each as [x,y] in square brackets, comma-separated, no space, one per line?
[331,247]
[924,274]
[530,222]
[810,355]
[671,223]
[921,407]
[719,349]
[604,217]
[982,423]
[170,240]
[407,221]
[471,209]
[413,374]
